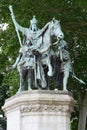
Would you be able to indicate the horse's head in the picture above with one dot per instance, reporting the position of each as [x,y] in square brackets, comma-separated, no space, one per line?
[56,29]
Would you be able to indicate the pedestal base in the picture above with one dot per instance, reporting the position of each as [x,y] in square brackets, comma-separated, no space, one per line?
[39,110]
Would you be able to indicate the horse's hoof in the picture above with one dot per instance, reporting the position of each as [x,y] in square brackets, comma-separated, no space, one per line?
[50,73]
[29,88]
[43,87]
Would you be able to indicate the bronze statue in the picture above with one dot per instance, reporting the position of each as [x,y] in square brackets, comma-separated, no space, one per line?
[36,51]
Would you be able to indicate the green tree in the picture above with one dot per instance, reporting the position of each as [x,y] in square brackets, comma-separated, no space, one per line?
[3,96]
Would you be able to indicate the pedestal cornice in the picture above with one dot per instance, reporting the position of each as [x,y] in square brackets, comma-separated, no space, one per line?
[40,101]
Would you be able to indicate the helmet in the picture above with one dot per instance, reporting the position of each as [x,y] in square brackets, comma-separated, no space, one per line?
[33,20]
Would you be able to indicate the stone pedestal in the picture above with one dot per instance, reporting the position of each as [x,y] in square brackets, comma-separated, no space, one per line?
[39,110]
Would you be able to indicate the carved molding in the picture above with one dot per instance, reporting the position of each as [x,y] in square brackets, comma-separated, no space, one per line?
[46,108]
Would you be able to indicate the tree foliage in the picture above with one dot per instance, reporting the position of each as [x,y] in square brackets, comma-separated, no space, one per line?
[72,14]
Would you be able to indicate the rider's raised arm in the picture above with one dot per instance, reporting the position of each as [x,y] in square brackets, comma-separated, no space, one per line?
[17,26]
[21,29]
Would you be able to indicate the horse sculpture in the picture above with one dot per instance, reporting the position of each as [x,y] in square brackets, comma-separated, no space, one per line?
[44,43]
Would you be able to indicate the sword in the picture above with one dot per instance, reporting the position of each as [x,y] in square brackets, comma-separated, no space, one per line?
[80,80]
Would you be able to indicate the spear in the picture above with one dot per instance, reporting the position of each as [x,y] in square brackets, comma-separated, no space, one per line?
[13,19]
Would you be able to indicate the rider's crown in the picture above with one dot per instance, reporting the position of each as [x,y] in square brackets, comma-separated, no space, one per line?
[33,20]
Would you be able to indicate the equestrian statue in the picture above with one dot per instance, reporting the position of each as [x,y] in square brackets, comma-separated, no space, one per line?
[36,55]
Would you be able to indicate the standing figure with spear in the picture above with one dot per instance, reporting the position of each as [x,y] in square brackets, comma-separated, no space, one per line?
[27,61]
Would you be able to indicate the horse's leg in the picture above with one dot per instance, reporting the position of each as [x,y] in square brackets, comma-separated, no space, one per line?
[30,78]
[46,77]
[23,74]
[43,80]
[65,79]
[50,72]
